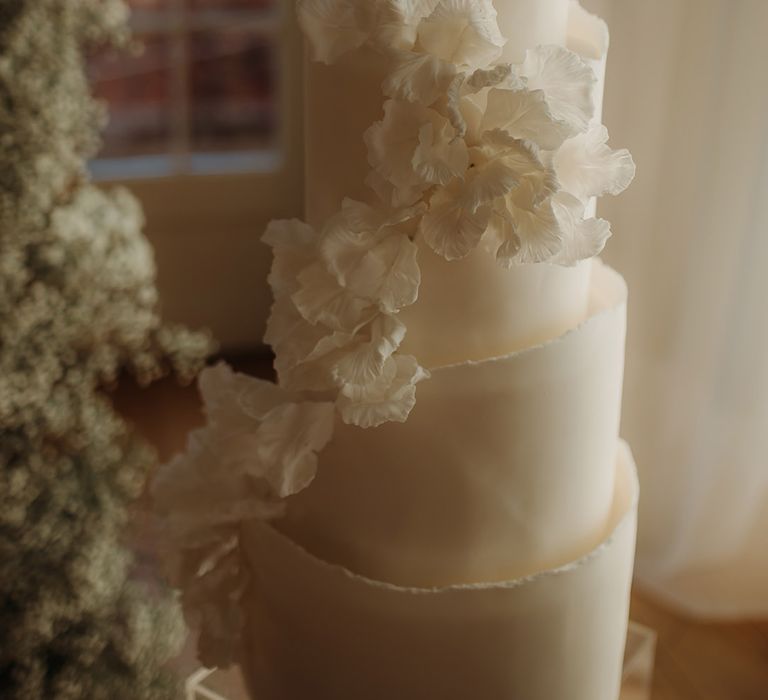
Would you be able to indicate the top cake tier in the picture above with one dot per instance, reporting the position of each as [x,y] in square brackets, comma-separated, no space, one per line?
[473,309]
[344,99]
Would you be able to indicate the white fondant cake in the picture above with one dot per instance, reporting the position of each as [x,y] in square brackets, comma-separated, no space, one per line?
[429,502]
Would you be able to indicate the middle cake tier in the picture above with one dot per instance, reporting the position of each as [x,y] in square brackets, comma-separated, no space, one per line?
[505,467]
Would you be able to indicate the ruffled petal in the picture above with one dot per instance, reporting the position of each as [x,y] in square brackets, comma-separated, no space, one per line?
[525,115]
[418,77]
[388,274]
[371,255]
[389,399]
[488,181]
[539,233]
[587,167]
[293,248]
[530,232]
[321,299]
[567,81]
[463,32]
[349,235]
[500,74]
[257,446]
[438,159]
[196,494]
[582,238]
[229,398]
[500,163]
[413,11]
[298,345]
[333,27]
[287,442]
[502,232]
[397,22]
[393,143]
[525,159]
[364,363]
[451,228]
[238,468]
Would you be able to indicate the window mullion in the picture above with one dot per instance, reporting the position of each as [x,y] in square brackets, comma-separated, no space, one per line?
[180,106]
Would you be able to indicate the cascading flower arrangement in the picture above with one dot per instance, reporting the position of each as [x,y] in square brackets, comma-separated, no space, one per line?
[470,152]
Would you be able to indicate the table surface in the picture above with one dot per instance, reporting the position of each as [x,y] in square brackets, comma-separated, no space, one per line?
[694,660]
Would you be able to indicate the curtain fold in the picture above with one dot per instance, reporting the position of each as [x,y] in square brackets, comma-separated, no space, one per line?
[688,94]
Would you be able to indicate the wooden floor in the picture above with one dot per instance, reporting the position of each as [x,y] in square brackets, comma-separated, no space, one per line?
[694,660]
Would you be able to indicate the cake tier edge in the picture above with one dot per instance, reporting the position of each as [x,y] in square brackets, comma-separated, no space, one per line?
[318,630]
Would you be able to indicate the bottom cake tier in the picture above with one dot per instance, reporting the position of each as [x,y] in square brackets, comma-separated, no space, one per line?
[316,630]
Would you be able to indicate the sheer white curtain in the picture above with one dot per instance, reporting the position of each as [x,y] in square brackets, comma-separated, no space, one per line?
[688,94]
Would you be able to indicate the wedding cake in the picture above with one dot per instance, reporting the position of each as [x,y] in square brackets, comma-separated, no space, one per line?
[433,501]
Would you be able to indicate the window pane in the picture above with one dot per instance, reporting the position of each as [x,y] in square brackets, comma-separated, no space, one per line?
[232,87]
[137,89]
[203,95]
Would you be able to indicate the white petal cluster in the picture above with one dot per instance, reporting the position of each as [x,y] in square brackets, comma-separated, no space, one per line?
[510,153]
[334,325]
[258,447]
[506,152]
[469,149]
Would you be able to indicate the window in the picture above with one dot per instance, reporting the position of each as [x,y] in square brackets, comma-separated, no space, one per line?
[206,128]
[201,96]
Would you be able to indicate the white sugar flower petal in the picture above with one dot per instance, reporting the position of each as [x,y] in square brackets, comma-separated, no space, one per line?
[567,81]
[293,244]
[502,232]
[294,341]
[229,397]
[289,233]
[438,159]
[582,238]
[587,167]
[525,159]
[388,274]
[321,299]
[413,11]
[418,77]
[349,235]
[196,493]
[333,27]
[383,189]
[259,430]
[364,362]
[397,22]
[493,77]
[453,105]
[389,399]
[451,228]
[488,181]
[539,233]
[393,142]
[464,32]
[525,115]
[530,232]
[288,441]
[371,255]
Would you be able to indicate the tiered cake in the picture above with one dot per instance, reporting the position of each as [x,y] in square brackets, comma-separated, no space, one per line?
[433,502]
